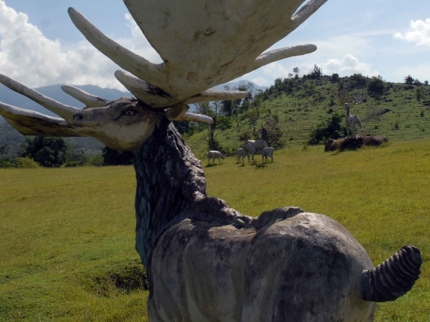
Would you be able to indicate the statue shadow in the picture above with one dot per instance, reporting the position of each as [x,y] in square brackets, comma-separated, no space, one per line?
[209,165]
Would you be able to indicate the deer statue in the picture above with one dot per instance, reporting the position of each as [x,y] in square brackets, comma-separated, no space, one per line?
[350,119]
[206,261]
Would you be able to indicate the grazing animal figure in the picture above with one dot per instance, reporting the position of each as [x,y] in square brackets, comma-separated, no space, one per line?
[267,152]
[241,153]
[213,154]
[206,261]
[254,146]
[351,120]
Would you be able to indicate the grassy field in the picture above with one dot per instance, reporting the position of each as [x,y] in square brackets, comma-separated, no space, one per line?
[67,235]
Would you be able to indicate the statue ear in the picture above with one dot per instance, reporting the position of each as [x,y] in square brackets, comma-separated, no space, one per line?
[33,123]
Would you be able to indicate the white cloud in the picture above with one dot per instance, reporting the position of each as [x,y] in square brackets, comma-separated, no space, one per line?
[419,32]
[346,66]
[26,55]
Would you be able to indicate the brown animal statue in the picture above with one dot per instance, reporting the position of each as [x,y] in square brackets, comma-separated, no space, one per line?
[354,143]
[206,261]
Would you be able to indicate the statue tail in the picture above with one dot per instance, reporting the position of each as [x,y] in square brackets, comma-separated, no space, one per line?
[394,277]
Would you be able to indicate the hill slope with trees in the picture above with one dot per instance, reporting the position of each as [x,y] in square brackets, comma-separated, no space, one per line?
[295,107]
[294,110]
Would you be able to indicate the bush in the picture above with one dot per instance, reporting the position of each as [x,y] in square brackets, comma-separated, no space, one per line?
[26,163]
[330,129]
[95,160]
[76,158]
[376,86]
[7,163]
[47,151]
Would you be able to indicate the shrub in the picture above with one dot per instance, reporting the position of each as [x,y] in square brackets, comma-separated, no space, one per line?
[95,160]
[7,163]
[376,86]
[330,129]
[47,151]
[26,163]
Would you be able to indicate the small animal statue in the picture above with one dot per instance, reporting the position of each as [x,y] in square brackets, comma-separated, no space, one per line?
[241,153]
[267,152]
[213,154]
[254,147]
[206,261]
[351,120]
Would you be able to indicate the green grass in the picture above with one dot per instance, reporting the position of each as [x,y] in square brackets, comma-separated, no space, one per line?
[67,235]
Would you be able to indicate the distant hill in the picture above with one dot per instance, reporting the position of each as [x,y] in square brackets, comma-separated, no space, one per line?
[395,110]
[297,106]
[8,135]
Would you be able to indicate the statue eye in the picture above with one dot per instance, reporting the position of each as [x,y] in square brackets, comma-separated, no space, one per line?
[129,113]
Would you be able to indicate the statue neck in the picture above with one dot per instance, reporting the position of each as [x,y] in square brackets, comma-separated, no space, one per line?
[169,178]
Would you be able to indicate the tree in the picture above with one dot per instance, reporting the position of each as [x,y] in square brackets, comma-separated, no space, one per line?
[358,81]
[316,73]
[418,94]
[409,80]
[227,107]
[330,129]
[114,157]
[49,152]
[376,86]
[335,78]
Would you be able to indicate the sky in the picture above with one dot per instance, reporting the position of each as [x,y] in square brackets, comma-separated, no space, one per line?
[40,46]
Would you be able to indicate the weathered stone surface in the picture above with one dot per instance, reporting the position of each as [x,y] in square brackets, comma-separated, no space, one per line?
[285,266]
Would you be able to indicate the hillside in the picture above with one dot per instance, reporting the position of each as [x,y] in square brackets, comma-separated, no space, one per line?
[298,105]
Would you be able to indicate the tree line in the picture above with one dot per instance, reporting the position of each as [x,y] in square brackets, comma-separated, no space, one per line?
[54,152]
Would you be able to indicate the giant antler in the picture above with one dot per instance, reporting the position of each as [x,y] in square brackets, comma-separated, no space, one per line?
[202,43]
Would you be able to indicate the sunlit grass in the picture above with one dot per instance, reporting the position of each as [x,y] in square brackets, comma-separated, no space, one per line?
[65,232]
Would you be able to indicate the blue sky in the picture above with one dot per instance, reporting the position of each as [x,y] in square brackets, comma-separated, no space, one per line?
[40,46]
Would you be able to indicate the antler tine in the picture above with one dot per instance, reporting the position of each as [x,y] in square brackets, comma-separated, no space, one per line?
[213,95]
[147,93]
[157,98]
[307,10]
[84,97]
[29,122]
[128,60]
[281,53]
[200,118]
[179,113]
[65,111]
